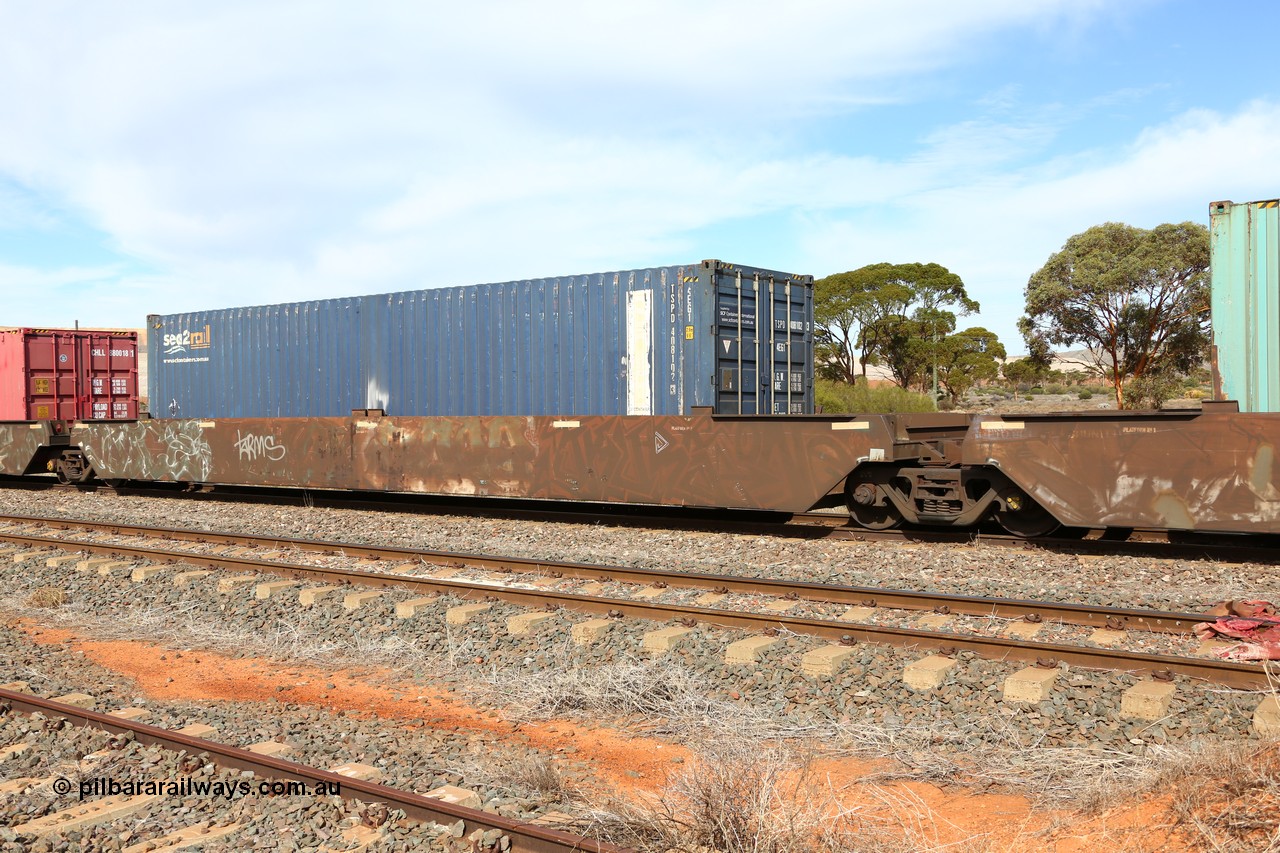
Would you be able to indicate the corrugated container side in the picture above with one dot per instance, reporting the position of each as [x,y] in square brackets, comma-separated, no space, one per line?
[68,374]
[1244,241]
[632,342]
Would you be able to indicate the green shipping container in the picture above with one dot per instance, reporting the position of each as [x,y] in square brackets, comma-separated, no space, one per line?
[1244,253]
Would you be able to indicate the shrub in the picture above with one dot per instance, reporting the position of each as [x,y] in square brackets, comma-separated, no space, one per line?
[841,397]
[1150,391]
[1085,394]
[46,597]
[744,797]
[1029,397]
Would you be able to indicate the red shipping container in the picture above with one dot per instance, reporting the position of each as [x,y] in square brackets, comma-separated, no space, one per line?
[65,374]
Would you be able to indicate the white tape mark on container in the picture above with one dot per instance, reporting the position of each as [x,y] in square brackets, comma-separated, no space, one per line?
[35,426]
[876,454]
[366,424]
[997,425]
[208,424]
[852,425]
[566,424]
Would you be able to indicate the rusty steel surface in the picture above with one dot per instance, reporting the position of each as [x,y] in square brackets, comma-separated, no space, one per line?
[735,462]
[20,443]
[1176,471]
[1232,674]
[1180,471]
[524,836]
[971,605]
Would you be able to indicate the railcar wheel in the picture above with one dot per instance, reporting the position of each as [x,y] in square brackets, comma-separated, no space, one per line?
[71,468]
[1023,517]
[876,517]
[865,512]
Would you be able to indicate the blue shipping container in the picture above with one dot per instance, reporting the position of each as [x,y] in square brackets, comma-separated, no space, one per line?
[656,341]
[1244,263]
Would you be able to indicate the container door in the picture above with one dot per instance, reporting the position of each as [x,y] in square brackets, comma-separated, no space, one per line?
[764,343]
[110,377]
[51,376]
[791,345]
[737,350]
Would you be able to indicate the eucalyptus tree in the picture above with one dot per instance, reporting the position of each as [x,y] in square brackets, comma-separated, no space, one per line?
[1137,299]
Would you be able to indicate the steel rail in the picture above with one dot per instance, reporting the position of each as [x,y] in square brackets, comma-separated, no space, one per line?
[1229,673]
[805,525]
[524,836]
[1088,615]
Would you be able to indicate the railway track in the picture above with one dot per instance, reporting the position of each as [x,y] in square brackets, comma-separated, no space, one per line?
[847,619]
[502,833]
[834,525]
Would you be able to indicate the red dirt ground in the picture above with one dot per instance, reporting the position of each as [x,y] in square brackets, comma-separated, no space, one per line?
[630,763]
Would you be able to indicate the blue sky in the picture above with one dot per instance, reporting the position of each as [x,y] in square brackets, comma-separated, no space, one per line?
[163,157]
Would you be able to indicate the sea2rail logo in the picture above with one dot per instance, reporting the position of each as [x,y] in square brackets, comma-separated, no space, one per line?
[179,342]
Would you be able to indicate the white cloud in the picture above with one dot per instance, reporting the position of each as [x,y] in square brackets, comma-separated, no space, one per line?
[54,297]
[270,152]
[996,229]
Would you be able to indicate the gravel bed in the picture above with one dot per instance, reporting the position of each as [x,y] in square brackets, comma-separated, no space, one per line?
[80,755]
[418,759]
[1083,709]
[1138,641]
[1184,585]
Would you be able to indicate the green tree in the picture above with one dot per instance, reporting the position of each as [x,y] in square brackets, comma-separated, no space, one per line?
[915,346]
[890,313]
[1137,299]
[967,358]
[909,345]
[845,306]
[1024,373]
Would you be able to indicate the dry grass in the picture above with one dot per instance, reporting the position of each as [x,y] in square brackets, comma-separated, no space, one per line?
[1228,798]
[46,597]
[989,754]
[735,796]
[539,773]
[984,754]
[186,627]
[656,696]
